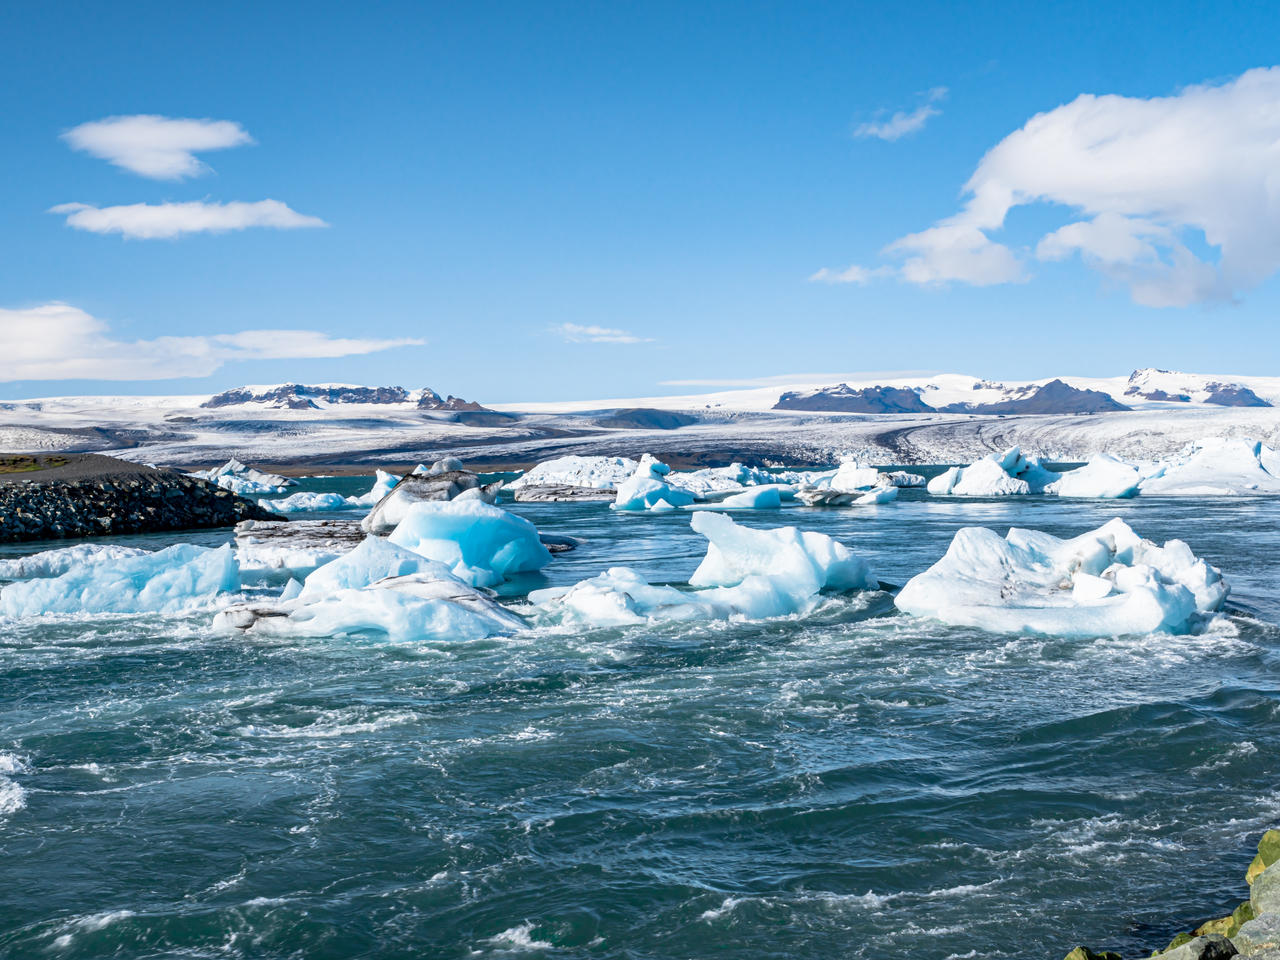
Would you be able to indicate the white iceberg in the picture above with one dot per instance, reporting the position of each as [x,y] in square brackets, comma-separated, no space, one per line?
[1007,474]
[903,478]
[1214,467]
[244,480]
[1103,583]
[1104,477]
[745,573]
[383,484]
[851,484]
[596,473]
[482,544]
[647,489]
[752,498]
[161,582]
[53,563]
[307,503]
[373,560]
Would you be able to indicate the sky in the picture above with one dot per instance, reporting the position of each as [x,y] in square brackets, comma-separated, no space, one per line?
[545,201]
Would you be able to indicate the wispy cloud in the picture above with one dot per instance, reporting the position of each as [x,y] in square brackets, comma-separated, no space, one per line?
[855,274]
[577,333]
[904,122]
[151,221]
[162,148]
[56,341]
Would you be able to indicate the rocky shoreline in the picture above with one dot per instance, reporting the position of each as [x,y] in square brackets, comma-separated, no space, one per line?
[1250,930]
[93,496]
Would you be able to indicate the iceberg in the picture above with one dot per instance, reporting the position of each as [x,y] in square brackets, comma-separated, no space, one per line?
[1103,583]
[383,484]
[753,498]
[373,560]
[647,488]
[432,486]
[1213,467]
[852,483]
[902,478]
[482,544]
[1104,477]
[243,480]
[1007,474]
[270,549]
[596,473]
[419,606]
[746,573]
[161,582]
[306,503]
[53,563]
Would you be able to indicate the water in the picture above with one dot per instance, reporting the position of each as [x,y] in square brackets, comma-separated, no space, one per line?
[851,784]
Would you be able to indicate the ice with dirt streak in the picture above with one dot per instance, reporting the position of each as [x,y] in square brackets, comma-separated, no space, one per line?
[1106,582]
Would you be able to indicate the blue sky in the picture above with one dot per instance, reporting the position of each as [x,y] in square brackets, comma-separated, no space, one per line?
[673,173]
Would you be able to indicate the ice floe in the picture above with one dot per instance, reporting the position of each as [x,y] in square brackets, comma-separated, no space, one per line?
[1104,477]
[307,502]
[647,489]
[164,581]
[1106,582]
[851,483]
[481,543]
[432,486]
[746,573]
[596,473]
[1216,466]
[53,563]
[244,480]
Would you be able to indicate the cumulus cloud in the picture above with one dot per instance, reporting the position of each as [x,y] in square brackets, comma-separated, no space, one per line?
[1148,182]
[903,122]
[56,341]
[150,221]
[162,148]
[577,333]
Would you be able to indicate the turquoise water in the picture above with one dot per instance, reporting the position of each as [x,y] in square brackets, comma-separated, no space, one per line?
[850,784]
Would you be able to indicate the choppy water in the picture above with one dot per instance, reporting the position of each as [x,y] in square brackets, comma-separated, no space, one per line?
[853,784]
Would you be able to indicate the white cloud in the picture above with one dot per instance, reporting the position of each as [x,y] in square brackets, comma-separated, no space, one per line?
[855,274]
[577,333]
[162,148]
[903,122]
[1148,180]
[56,341]
[147,221]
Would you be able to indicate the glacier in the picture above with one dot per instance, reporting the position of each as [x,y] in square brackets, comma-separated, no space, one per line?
[165,581]
[1106,582]
[482,544]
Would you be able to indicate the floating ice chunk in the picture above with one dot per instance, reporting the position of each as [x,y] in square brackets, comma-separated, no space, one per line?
[901,478]
[851,483]
[418,606]
[306,503]
[481,543]
[427,487]
[1104,476]
[851,476]
[647,486]
[273,548]
[753,498]
[163,581]
[53,563]
[1215,467]
[1007,474]
[383,484]
[804,562]
[446,465]
[746,573]
[243,480]
[596,473]
[1103,583]
[373,560]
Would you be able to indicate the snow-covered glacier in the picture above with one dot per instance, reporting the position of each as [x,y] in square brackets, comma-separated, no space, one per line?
[1106,582]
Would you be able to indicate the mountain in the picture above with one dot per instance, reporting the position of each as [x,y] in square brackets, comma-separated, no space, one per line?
[843,398]
[1056,396]
[1168,385]
[299,396]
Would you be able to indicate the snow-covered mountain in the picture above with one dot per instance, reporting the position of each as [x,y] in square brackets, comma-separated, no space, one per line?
[1056,396]
[300,396]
